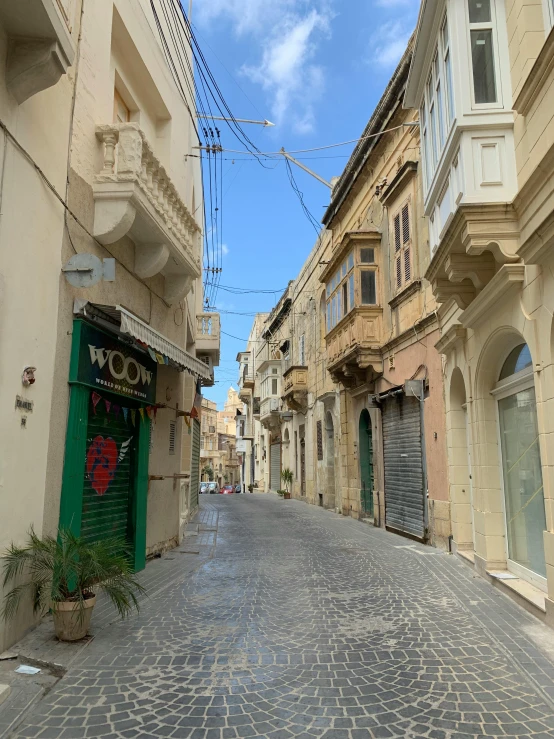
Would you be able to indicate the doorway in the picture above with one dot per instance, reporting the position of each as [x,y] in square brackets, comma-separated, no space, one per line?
[366,462]
[302,460]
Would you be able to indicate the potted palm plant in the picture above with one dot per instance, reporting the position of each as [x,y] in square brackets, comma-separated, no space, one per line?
[64,574]
[287,478]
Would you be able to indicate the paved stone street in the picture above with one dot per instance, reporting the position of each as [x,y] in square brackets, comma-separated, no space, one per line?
[301,623]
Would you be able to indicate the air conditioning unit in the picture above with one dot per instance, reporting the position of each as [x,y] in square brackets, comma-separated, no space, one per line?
[274,404]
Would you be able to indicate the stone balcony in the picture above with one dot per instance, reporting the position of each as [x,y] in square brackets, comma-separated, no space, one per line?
[354,347]
[135,197]
[295,388]
[40,47]
[208,336]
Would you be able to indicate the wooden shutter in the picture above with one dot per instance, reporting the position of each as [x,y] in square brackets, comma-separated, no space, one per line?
[407,265]
[172,429]
[319,440]
[405,224]
[397,243]
[398,271]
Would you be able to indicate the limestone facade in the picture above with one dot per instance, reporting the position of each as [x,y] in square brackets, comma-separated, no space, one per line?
[92,101]
[489,197]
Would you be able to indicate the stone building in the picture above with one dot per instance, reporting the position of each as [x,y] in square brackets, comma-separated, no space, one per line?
[226,418]
[347,373]
[482,77]
[96,443]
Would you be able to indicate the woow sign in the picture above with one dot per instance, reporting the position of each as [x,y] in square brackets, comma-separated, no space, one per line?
[101,361]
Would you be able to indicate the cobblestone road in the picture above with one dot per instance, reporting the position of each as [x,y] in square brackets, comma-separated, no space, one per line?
[305,624]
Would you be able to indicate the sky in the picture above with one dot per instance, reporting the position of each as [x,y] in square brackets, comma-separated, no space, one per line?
[316,69]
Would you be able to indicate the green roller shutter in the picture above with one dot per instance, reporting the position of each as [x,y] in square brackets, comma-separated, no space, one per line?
[110,473]
[195,465]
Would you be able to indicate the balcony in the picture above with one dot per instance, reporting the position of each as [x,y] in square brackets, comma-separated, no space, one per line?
[208,336]
[246,385]
[134,196]
[270,412]
[353,347]
[295,388]
[256,407]
[40,47]
[244,431]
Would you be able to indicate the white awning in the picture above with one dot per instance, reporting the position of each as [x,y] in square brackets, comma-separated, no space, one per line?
[130,324]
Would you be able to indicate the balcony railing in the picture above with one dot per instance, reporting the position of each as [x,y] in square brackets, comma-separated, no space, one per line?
[295,387]
[353,345]
[134,195]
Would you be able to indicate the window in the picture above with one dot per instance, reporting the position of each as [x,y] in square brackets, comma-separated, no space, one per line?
[402,246]
[482,51]
[319,441]
[437,110]
[549,15]
[367,256]
[172,428]
[368,287]
[274,386]
[121,113]
[302,350]
[340,293]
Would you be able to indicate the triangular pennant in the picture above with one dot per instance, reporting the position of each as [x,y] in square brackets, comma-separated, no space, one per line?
[133,416]
[152,354]
[166,360]
[160,358]
[125,412]
[141,411]
[108,404]
[155,409]
[95,400]
[187,420]
[149,411]
[116,409]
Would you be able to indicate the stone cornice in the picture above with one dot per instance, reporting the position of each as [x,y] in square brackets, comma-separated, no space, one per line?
[509,277]
[428,324]
[537,77]
[450,338]
[412,288]
[400,179]
[349,239]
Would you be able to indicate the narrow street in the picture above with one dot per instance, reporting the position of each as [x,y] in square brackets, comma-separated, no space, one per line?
[301,623]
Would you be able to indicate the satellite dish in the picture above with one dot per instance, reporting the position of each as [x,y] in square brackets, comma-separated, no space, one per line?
[86,270]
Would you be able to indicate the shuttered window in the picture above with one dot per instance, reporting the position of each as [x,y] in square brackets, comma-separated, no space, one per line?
[172,428]
[402,247]
[319,441]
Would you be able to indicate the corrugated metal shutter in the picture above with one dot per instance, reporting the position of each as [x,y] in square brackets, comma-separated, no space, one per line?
[195,464]
[275,471]
[109,474]
[404,479]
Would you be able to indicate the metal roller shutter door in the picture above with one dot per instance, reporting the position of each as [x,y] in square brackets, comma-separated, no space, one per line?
[109,488]
[195,465]
[404,479]
[275,471]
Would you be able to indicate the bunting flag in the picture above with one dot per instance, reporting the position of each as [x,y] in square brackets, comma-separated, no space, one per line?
[133,416]
[155,409]
[108,404]
[152,354]
[187,420]
[95,400]
[196,409]
[150,412]
[125,412]
[160,358]
[116,409]
[141,411]
[166,360]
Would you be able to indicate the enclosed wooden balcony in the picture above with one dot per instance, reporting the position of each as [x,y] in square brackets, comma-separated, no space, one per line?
[354,347]
[208,336]
[295,388]
[134,196]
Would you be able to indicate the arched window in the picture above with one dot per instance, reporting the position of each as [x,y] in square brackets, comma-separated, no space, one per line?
[521,466]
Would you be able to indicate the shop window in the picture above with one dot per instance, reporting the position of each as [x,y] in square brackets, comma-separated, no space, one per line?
[402,233]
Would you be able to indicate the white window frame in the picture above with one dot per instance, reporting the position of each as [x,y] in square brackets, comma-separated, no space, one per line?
[492,25]
[523,380]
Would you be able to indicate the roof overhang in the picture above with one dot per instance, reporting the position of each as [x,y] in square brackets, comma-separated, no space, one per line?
[120,321]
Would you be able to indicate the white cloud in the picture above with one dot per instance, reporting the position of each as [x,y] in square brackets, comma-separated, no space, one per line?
[287,33]
[224,249]
[389,43]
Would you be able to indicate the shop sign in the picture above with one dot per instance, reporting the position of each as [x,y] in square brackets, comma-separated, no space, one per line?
[241,446]
[105,363]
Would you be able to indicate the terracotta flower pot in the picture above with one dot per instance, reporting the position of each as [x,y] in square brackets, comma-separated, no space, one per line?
[69,624]
[286,496]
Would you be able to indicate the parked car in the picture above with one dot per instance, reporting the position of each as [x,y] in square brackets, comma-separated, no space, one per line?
[203,488]
[227,490]
[212,488]
[238,488]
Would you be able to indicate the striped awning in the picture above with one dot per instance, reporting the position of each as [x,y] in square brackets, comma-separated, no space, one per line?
[145,334]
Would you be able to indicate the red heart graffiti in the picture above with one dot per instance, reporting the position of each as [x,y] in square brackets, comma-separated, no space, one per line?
[101,463]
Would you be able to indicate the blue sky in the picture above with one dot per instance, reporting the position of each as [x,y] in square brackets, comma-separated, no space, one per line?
[316,68]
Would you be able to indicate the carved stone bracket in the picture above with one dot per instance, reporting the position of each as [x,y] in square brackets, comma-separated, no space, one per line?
[33,65]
